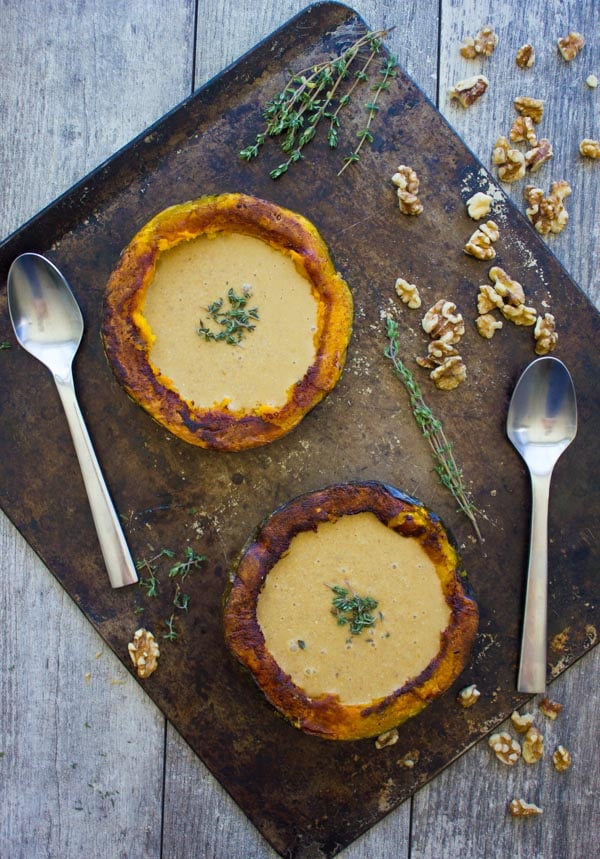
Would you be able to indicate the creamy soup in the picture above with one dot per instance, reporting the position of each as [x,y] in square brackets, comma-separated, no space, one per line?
[361,554]
[259,370]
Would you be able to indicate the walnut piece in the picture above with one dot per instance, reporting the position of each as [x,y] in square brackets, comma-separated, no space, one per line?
[523,131]
[526,106]
[520,808]
[469,695]
[533,746]
[488,299]
[388,738]
[144,652]
[590,148]
[550,709]
[450,374]
[505,748]
[537,156]
[548,214]
[509,161]
[479,205]
[437,352]
[408,292]
[407,183]
[571,45]
[480,245]
[487,325]
[521,723]
[521,315]
[443,322]
[409,759]
[510,290]
[484,44]
[592,81]
[525,56]
[545,336]
[468,91]
[561,759]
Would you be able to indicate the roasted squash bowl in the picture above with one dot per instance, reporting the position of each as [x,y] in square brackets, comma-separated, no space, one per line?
[139,347]
[350,609]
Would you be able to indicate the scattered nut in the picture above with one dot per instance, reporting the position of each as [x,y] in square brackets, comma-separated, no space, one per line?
[144,652]
[510,290]
[520,808]
[571,45]
[388,738]
[592,81]
[442,322]
[537,156]
[523,131]
[487,325]
[480,243]
[546,339]
[470,694]
[468,91]
[526,106]
[550,709]
[561,759]
[590,148]
[488,299]
[450,374]
[479,205]
[437,352]
[483,44]
[505,748]
[525,56]
[409,759]
[407,183]
[533,746]
[408,292]
[509,161]
[548,214]
[521,315]
[521,723]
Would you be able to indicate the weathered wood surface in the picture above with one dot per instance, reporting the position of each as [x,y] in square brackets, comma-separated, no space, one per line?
[84,752]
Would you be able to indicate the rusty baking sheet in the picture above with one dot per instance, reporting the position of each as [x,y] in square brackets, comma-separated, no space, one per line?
[307,796]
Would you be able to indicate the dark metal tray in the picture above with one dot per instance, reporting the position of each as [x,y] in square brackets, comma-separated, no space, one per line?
[307,796]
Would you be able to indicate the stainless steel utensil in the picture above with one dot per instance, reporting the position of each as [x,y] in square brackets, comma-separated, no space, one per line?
[49,325]
[541,424]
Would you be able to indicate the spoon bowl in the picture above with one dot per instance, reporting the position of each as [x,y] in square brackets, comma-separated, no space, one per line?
[48,324]
[541,424]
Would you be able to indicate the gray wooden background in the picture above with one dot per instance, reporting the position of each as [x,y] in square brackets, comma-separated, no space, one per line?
[88,765]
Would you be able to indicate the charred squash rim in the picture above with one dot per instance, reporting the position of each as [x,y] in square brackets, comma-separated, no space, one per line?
[127,337]
[327,716]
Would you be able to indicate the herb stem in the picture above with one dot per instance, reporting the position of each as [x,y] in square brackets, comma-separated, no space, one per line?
[446,467]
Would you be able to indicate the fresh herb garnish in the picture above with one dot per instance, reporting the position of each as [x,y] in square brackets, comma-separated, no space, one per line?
[171,634]
[192,562]
[314,94]
[446,467]
[181,569]
[5,345]
[349,608]
[230,324]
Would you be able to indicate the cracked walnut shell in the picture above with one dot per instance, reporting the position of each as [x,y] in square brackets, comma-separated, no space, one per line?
[484,44]
[590,148]
[520,808]
[525,57]
[570,45]
[509,161]
[407,183]
[144,652]
[533,746]
[527,106]
[505,748]
[408,292]
[548,214]
[467,92]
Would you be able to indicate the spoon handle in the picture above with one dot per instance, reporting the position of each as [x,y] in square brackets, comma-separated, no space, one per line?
[532,668]
[119,564]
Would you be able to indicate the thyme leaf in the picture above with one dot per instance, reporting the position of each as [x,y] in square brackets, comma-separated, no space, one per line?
[446,467]
[353,610]
[230,323]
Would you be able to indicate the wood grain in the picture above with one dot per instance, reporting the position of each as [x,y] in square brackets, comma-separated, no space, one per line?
[105,77]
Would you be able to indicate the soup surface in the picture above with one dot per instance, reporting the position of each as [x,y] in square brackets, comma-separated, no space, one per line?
[299,622]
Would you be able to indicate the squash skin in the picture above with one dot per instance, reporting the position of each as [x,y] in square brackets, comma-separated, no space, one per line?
[127,339]
[326,716]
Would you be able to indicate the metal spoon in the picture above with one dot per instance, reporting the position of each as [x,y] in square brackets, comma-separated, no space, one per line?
[541,424]
[48,324]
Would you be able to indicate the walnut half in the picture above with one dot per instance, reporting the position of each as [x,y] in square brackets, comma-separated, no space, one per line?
[505,748]
[509,161]
[590,148]
[467,92]
[480,245]
[407,182]
[408,292]
[520,808]
[525,56]
[570,45]
[548,214]
[527,106]
[144,652]
[546,339]
[484,44]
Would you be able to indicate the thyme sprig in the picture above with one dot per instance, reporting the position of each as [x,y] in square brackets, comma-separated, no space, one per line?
[446,467]
[193,561]
[314,94]
[230,324]
[352,609]
[179,570]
